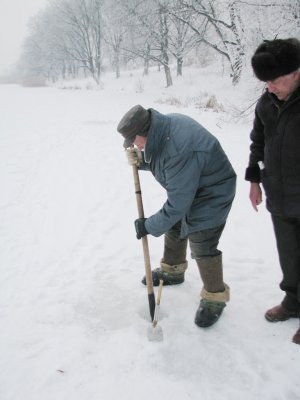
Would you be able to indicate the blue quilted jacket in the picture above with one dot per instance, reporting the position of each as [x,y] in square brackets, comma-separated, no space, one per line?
[191,165]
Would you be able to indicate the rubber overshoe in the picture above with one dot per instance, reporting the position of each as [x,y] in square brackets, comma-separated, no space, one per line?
[168,277]
[208,312]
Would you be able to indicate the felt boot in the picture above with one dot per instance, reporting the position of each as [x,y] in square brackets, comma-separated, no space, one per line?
[173,264]
[215,292]
[170,274]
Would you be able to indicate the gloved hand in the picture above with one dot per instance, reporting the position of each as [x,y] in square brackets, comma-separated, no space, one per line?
[140,227]
[133,156]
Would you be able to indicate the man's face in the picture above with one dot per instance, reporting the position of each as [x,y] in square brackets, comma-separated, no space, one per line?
[140,142]
[284,86]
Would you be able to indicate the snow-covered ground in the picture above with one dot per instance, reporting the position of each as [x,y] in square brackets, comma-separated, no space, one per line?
[73,313]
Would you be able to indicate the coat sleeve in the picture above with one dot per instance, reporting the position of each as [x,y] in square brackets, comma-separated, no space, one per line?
[182,175]
[256,149]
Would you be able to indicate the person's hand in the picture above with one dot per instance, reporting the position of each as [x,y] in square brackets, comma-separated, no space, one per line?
[133,156]
[255,195]
[140,227]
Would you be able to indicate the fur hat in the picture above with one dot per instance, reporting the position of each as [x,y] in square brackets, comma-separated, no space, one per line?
[135,122]
[274,58]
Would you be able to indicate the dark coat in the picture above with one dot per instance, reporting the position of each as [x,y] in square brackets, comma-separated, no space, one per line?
[276,141]
[190,164]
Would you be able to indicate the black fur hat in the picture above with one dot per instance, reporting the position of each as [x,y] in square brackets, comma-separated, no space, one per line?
[274,58]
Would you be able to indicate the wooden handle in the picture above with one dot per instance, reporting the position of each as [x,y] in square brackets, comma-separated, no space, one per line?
[138,192]
[139,202]
[148,272]
[161,282]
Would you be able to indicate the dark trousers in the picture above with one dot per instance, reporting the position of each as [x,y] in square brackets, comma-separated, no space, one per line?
[287,232]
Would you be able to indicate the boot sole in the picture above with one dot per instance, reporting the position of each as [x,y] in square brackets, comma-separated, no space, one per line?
[166,283]
[272,319]
[167,280]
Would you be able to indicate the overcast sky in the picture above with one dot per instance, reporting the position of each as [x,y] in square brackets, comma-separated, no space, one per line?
[14,16]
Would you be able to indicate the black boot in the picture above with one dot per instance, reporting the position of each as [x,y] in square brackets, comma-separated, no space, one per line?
[296,337]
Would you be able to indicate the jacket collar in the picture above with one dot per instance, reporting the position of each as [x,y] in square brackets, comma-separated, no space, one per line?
[295,95]
[159,129]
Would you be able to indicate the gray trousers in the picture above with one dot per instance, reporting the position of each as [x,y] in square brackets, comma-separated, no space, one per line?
[202,244]
[287,233]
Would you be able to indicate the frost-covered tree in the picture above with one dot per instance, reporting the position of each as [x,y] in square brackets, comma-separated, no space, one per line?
[218,25]
[182,39]
[80,27]
[66,39]
[74,37]
[42,53]
[270,19]
[117,29]
[151,32]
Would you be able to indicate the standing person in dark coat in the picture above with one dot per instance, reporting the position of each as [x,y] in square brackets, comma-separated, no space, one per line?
[275,161]
[199,180]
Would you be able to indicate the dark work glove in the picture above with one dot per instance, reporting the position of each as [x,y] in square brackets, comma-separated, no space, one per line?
[140,227]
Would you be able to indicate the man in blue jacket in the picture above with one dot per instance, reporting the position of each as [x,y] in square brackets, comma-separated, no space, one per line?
[191,165]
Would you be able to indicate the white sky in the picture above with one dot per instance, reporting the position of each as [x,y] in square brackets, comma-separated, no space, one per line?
[14,16]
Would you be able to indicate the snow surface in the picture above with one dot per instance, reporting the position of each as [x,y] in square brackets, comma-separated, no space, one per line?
[73,313]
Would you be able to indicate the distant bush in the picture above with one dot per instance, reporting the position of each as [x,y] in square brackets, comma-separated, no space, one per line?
[202,101]
[172,101]
[79,84]
[210,102]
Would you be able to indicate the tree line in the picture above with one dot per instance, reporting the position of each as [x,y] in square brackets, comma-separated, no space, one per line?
[81,38]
